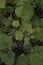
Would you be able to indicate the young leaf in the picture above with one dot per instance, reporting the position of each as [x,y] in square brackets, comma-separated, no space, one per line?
[19,35]
[15,24]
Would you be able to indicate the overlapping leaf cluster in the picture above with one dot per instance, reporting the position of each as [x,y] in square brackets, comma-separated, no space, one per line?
[18,20]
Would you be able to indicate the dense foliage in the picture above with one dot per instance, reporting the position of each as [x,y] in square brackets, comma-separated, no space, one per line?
[21,32]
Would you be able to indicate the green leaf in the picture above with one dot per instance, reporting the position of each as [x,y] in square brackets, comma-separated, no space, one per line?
[41,4]
[8,58]
[2,3]
[7,21]
[19,2]
[19,35]
[5,41]
[26,27]
[23,60]
[35,21]
[1,54]
[36,58]
[41,23]
[37,1]
[39,34]
[9,9]
[18,11]
[27,15]
[15,24]
[27,12]
[27,42]
[5,29]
